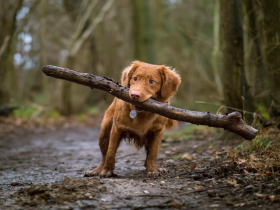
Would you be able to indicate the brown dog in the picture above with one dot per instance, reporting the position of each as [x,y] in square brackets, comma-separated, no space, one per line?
[146,128]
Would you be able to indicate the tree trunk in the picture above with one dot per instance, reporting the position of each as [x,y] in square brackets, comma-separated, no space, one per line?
[271,42]
[236,89]
[216,48]
[255,58]
[143,31]
[78,50]
[8,77]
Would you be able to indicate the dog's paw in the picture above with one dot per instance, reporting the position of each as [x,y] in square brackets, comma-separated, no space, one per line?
[94,172]
[106,173]
[91,173]
[159,172]
[162,170]
[153,174]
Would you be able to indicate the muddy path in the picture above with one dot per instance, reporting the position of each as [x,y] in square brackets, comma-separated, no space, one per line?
[44,170]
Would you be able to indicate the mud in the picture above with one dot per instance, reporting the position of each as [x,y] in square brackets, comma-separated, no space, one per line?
[43,169]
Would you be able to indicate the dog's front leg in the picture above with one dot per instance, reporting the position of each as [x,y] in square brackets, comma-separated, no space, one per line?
[152,152]
[109,164]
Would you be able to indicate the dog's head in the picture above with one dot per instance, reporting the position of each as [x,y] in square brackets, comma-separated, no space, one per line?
[147,80]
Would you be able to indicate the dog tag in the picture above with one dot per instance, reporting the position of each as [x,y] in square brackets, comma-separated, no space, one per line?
[132,114]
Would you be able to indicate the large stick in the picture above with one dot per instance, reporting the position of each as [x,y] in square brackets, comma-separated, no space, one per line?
[232,122]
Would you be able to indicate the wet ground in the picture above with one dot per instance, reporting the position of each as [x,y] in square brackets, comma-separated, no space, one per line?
[43,169]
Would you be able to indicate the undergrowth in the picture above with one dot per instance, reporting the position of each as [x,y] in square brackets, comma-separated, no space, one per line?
[268,139]
[187,132]
[262,153]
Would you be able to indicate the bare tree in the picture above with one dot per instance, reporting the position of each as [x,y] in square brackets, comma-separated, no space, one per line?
[254,60]
[8,20]
[236,89]
[79,37]
[271,43]
[216,47]
[143,31]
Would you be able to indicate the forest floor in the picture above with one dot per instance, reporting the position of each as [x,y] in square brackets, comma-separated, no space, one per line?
[42,168]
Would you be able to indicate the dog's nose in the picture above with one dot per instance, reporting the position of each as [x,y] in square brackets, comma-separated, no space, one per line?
[134,95]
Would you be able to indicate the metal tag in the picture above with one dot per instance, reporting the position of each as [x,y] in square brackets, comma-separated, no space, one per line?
[132,114]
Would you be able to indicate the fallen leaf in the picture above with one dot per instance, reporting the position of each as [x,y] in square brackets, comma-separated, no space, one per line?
[192,167]
[239,204]
[245,171]
[232,182]
[272,197]
[214,205]
[260,195]
[188,156]
[231,154]
[240,161]
[197,187]
[253,157]
[215,155]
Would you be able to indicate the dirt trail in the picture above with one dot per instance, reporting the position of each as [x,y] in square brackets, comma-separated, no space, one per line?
[44,170]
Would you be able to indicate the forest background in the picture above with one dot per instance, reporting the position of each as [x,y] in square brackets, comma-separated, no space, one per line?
[225,51]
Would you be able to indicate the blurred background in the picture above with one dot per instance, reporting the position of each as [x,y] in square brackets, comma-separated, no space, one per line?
[225,51]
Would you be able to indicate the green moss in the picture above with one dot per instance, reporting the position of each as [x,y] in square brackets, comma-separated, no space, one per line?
[25,113]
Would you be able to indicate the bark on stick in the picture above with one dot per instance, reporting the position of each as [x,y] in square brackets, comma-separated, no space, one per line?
[232,122]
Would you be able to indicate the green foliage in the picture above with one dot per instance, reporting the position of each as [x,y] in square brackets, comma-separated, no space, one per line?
[211,145]
[260,143]
[263,111]
[84,116]
[184,133]
[25,113]
[176,157]
[81,117]
[54,114]
[36,111]
[93,110]
[187,132]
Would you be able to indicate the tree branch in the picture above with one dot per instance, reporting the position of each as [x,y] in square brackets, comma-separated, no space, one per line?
[232,122]
[90,29]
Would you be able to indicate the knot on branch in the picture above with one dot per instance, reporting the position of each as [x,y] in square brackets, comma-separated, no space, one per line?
[235,116]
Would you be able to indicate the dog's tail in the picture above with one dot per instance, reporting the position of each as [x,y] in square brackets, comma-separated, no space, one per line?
[171,123]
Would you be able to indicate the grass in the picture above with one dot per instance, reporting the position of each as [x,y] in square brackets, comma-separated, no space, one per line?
[176,157]
[259,144]
[34,111]
[24,112]
[268,139]
[262,153]
[187,132]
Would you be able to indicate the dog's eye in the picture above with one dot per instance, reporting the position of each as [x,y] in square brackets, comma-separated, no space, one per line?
[135,78]
[151,81]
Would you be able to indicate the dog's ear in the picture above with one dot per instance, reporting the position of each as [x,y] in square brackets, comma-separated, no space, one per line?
[170,82]
[127,73]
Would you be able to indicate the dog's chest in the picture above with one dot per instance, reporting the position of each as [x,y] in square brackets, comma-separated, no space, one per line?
[140,125]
